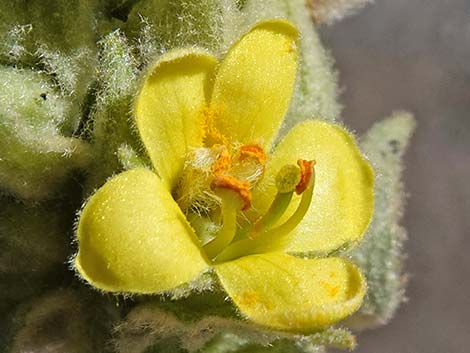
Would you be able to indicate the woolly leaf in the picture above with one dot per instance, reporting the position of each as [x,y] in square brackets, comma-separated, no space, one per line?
[329,11]
[35,158]
[34,242]
[177,23]
[207,323]
[69,24]
[111,120]
[64,320]
[63,46]
[380,255]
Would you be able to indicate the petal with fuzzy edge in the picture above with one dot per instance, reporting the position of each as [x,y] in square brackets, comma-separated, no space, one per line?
[169,109]
[288,293]
[133,238]
[343,196]
[254,83]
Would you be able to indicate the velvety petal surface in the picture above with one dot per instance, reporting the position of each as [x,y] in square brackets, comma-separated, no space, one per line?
[254,83]
[133,238]
[343,198]
[169,108]
[288,293]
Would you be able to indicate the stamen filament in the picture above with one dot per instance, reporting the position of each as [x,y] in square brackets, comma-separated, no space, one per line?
[258,243]
[229,208]
[276,210]
[298,215]
[240,248]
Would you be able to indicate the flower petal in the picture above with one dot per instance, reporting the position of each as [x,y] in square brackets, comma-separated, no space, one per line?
[288,293]
[254,83]
[343,199]
[133,237]
[169,109]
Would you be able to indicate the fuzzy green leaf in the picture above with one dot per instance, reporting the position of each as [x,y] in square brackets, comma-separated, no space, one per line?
[35,157]
[177,23]
[329,11]
[58,24]
[206,322]
[63,320]
[111,124]
[380,255]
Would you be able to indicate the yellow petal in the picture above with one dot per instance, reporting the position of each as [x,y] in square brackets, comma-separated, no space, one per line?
[288,293]
[343,199]
[254,83]
[133,238]
[169,107]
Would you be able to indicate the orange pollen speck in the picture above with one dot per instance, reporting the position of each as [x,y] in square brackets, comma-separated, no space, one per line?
[306,173]
[249,298]
[210,133]
[223,162]
[231,183]
[253,151]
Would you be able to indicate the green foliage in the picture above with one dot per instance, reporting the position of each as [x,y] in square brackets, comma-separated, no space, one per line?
[60,24]
[35,246]
[380,255]
[329,11]
[35,156]
[111,125]
[207,323]
[64,320]
[177,23]
[58,39]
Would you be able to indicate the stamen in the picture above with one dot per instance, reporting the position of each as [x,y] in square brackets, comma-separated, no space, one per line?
[306,172]
[266,234]
[306,184]
[234,195]
[223,163]
[231,183]
[249,163]
[276,210]
[253,151]
[229,208]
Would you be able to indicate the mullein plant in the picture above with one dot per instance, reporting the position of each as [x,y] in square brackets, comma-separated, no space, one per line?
[175,177]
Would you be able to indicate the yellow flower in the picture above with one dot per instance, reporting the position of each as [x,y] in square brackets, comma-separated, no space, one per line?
[217,199]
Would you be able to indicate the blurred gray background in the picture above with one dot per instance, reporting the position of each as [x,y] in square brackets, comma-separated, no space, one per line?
[415,55]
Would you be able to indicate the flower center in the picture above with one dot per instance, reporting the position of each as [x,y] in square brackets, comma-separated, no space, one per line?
[215,191]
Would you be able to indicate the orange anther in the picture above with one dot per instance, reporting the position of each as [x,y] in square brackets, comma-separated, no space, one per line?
[223,162]
[231,183]
[306,173]
[253,151]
